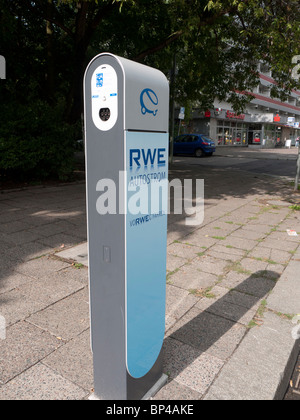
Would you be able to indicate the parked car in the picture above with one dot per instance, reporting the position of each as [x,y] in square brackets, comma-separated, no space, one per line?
[194,144]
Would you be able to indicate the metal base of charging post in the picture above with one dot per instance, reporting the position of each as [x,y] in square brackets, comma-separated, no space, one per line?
[150,394]
[156,387]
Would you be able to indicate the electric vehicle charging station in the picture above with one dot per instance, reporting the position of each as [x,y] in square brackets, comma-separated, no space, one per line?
[126,144]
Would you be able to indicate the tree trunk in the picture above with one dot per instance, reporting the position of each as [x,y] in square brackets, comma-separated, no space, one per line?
[49,76]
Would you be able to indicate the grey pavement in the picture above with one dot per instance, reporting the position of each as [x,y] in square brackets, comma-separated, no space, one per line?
[272,162]
[233,292]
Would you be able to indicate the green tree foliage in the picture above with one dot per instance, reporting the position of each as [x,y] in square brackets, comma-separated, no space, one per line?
[217,44]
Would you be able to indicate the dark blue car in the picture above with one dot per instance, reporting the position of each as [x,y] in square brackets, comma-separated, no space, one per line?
[194,144]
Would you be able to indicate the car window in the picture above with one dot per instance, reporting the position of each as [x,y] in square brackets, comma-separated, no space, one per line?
[191,138]
[179,139]
[205,138]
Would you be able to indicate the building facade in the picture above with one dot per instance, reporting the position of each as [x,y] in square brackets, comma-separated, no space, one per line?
[266,122]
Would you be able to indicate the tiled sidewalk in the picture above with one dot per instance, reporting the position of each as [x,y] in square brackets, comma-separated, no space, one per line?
[227,335]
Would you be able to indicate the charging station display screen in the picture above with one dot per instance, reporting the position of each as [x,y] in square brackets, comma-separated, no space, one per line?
[104,88]
[146,243]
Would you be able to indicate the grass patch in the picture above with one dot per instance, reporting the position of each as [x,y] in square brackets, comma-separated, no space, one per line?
[203,293]
[236,266]
[257,320]
[78,266]
[295,207]
[170,274]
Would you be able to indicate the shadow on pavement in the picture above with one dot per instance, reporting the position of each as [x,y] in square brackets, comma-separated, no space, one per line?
[216,330]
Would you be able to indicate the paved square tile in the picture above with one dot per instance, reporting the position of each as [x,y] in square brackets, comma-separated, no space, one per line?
[279,244]
[77,253]
[180,249]
[174,262]
[189,366]
[60,239]
[209,333]
[210,265]
[190,277]
[42,268]
[74,361]
[13,280]
[230,304]
[66,318]
[240,243]
[41,383]
[197,238]
[24,346]
[175,391]
[178,302]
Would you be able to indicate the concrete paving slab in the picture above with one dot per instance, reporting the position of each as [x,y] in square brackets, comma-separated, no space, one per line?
[269,254]
[250,234]
[77,273]
[77,253]
[41,268]
[286,294]
[283,236]
[174,262]
[232,305]
[254,227]
[190,367]
[288,246]
[24,346]
[240,243]
[12,281]
[210,265]
[41,383]
[23,296]
[223,255]
[231,251]
[74,361]
[208,333]
[256,286]
[183,250]
[60,240]
[19,304]
[256,375]
[13,256]
[178,302]
[199,239]
[189,277]
[173,390]
[252,265]
[67,318]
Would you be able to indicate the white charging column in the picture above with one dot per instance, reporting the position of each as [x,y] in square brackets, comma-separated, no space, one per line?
[126,130]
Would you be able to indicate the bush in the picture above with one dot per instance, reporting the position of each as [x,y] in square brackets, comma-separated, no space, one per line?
[35,143]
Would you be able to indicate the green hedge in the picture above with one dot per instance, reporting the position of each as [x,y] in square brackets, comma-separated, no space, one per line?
[35,143]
